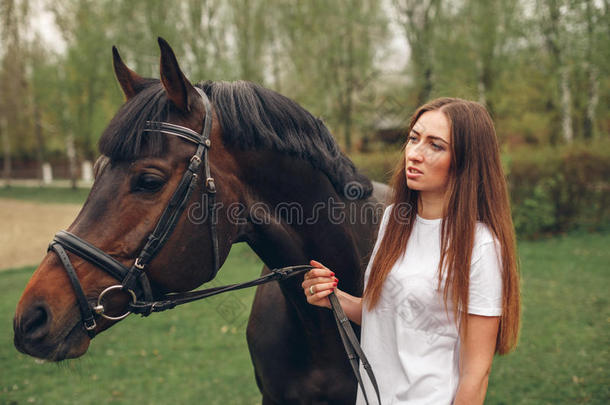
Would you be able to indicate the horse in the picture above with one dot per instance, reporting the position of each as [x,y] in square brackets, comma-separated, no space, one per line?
[282,185]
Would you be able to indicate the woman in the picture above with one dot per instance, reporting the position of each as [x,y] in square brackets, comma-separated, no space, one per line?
[442,287]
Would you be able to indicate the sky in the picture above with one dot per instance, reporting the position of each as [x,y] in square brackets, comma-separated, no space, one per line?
[43,22]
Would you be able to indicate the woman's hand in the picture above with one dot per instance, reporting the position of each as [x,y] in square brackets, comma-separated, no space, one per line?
[318,284]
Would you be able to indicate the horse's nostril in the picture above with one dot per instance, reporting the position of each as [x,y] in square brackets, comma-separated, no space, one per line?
[35,323]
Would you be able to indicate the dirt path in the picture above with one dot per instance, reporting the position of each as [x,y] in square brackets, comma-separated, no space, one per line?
[26,228]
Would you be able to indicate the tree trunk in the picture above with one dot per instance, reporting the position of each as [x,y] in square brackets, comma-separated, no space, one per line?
[40,147]
[6,147]
[424,95]
[481,88]
[592,75]
[347,126]
[276,52]
[592,100]
[566,105]
[71,153]
[349,91]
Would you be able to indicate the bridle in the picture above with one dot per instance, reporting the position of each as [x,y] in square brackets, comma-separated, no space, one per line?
[134,280]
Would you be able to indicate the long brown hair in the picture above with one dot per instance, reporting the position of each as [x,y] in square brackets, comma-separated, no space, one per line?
[476,191]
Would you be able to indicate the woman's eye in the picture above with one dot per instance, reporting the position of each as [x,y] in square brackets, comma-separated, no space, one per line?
[437,146]
[148,183]
[411,139]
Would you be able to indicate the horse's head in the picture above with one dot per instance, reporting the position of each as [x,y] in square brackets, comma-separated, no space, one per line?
[140,170]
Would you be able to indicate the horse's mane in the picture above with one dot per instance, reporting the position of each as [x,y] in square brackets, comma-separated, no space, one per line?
[251,117]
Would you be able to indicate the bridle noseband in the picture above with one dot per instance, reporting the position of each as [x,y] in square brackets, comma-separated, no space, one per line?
[133,279]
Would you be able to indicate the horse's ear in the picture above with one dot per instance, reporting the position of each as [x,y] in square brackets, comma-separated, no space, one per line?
[130,81]
[177,86]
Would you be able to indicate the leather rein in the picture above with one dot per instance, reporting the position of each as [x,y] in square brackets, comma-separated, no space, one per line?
[134,281]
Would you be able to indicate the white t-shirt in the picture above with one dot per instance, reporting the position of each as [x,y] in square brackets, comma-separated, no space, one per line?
[409,338]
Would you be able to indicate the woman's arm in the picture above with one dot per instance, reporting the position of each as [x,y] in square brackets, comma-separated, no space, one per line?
[352,306]
[321,281]
[477,349]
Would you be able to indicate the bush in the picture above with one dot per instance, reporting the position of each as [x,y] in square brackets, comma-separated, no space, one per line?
[379,165]
[536,213]
[552,190]
[556,190]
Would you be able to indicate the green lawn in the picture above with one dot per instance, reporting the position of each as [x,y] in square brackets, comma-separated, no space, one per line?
[562,357]
[197,354]
[59,195]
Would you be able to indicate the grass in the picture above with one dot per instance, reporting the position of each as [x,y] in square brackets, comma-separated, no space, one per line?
[563,354]
[198,353]
[195,354]
[54,195]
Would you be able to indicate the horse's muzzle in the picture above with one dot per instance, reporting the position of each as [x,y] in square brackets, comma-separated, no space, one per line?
[33,335]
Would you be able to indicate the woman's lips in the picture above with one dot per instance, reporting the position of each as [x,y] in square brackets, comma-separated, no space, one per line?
[413,173]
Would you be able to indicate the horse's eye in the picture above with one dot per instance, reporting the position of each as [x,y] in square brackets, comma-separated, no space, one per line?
[148,183]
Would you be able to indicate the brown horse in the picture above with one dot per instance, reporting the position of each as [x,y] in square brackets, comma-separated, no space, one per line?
[283,187]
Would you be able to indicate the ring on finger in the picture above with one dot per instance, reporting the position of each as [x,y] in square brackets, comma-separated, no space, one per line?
[311,291]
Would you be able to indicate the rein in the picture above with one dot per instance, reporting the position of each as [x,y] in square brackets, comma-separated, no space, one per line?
[170,301]
[134,281]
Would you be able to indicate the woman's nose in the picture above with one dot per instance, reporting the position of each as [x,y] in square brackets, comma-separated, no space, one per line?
[414,153]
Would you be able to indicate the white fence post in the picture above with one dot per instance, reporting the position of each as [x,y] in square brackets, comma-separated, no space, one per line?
[87,171]
[47,173]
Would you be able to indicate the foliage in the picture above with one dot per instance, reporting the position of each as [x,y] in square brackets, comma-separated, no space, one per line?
[327,72]
[198,353]
[378,166]
[541,67]
[552,189]
[555,190]
[536,213]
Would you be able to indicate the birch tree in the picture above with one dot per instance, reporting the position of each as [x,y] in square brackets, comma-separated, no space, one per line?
[596,55]
[552,20]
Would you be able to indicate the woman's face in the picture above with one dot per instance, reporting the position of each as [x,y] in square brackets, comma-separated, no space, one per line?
[428,155]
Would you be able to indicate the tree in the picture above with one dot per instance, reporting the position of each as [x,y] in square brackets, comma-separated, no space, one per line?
[489,38]
[249,25]
[552,24]
[596,55]
[205,34]
[14,119]
[37,87]
[330,48]
[418,19]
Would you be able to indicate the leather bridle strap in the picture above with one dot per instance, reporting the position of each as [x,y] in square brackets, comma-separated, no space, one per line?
[85,309]
[172,213]
[170,301]
[352,347]
[90,253]
[98,257]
